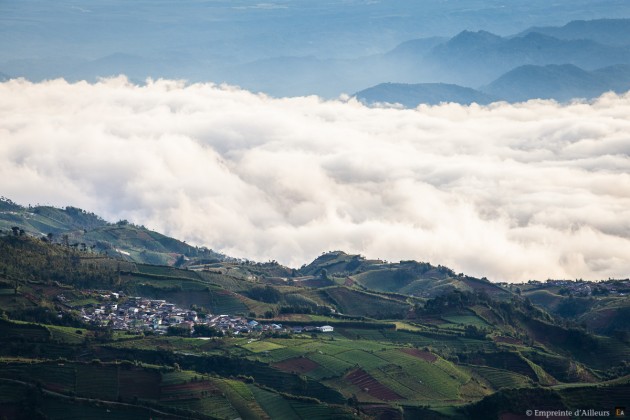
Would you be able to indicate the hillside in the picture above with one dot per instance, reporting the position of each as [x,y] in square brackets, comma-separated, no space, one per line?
[560,82]
[407,335]
[80,229]
[582,59]
[485,56]
[604,31]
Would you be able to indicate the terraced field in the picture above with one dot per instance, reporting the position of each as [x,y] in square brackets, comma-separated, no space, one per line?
[226,302]
[297,364]
[259,346]
[330,366]
[380,280]
[241,399]
[371,386]
[68,335]
[57,376]
[500,378]
[140,383]
[167,271]
[362,358]
[97,381]
[281,353]
[466,320]
[439,378]
[24,331]
[353,302]
[192,390]
[421,354]
[274,405]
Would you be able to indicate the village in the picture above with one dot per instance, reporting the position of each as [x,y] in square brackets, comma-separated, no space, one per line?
[139,314]
[579,288]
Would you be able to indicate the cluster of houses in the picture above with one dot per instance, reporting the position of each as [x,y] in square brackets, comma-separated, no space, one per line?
[581,287]
[237,324]
[142,314]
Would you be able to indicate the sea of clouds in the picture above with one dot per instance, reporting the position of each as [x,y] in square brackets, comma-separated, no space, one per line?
[513,192]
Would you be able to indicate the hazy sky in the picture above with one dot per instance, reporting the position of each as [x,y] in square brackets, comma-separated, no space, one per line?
[511,192]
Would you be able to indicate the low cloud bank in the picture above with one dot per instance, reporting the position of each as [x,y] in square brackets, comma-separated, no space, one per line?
[511,192]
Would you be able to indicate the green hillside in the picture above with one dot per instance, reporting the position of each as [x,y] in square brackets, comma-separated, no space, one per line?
[409,339]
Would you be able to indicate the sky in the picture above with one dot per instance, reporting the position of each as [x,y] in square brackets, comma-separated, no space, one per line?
[511,192]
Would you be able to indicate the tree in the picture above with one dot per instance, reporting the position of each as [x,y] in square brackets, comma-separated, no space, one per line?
[202,330]
[180,261]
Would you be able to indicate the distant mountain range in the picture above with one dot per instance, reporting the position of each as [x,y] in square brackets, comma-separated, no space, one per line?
[581,59]
[560,82]
[605,31]
[439,69]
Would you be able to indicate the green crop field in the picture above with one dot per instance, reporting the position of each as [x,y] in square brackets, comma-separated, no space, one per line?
[280,353]
[279,408]
[335,366]
[273,404]
[366,360]
[358,334]
[379,280]
[500,378]
[440,376]
[353,302]
[167,271]
[466,320]
[241,399]
[68,335]
[175,377]
[226,302]
[228,282]
[260,346]
[311,411]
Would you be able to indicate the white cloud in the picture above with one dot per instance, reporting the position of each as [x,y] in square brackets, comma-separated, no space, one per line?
[511,192]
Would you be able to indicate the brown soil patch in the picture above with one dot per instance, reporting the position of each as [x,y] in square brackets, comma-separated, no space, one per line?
[421,354]
[187,391]
[371,386]
[297,364]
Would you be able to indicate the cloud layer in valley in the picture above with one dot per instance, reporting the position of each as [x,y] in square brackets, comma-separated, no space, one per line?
[511,192]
